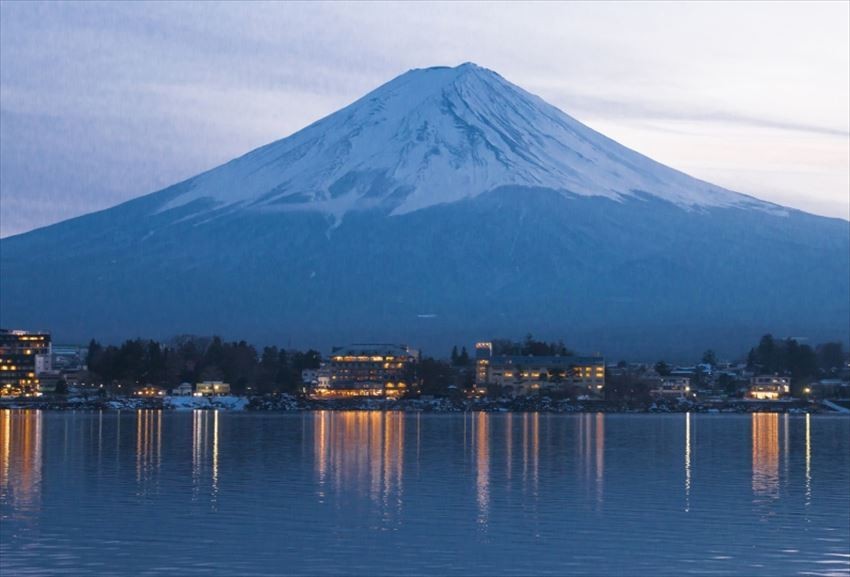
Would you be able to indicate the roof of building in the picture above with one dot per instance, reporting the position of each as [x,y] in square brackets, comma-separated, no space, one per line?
[19,332]
[555,360]
[372,349]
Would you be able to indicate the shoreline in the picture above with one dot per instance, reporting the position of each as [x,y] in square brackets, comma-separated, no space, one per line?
[290,403]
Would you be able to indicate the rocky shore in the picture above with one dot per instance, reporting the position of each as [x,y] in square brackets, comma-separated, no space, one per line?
[284,403]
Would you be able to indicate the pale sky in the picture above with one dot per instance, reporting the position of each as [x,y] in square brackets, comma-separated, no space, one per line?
[101,103]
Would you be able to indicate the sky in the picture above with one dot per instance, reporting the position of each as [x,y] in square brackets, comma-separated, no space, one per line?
[101,103]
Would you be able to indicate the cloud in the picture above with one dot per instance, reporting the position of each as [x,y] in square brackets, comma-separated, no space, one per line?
[604,107]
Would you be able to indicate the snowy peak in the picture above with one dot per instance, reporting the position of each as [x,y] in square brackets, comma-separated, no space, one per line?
[440,135]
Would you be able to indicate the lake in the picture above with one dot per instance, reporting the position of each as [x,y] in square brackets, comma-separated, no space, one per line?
[377,493]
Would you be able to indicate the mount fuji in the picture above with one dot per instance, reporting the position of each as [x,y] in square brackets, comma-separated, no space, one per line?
[446,206]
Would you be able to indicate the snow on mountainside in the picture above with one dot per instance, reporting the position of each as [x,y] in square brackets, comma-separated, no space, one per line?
[440,135]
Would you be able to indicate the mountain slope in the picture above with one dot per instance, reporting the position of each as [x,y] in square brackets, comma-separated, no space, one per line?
[441,135]
[446,206]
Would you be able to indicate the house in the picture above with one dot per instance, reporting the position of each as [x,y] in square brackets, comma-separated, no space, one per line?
[673,388]
[828,389]
[310,376]
[182,390]
[769,387]
[149,391]
[211,388]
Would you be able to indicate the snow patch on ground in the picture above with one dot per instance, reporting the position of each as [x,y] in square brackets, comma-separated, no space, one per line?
[229,403]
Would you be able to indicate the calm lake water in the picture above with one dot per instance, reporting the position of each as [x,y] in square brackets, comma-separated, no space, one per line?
[364,493]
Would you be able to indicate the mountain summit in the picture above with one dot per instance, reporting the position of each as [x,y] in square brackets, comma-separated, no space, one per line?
[440,135]
[445,206]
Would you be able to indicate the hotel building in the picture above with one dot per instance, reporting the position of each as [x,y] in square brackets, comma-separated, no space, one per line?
[23,356]
[524,374]
[367,370]
[769,387]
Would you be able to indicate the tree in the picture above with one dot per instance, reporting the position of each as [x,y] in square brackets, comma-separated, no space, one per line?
[709,358]
[61,387]
[765,356]
[727,383]
[662,369]
[436,376]
[155,363]
[786,357]
[504,347]
[799,360]
[94,356]
[627,388]
[454,356]
[830,356]
[214,353]
[267,371]
[537,348]
[463,358]
[211,373]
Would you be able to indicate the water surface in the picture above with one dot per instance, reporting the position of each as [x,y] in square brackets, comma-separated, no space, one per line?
[365,493]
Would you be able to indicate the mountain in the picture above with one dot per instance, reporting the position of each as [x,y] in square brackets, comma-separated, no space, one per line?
[446,206]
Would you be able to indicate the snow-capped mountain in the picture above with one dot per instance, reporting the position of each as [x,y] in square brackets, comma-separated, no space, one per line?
[441,135]
[445,206]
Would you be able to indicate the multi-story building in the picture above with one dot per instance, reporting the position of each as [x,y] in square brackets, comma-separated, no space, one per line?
[23,356]
[769,387]
[367,370]
[672,388]
[523,374]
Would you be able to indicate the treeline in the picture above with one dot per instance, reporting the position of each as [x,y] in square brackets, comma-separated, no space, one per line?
[790,358]
[784,357]
[193,359]
[530,346]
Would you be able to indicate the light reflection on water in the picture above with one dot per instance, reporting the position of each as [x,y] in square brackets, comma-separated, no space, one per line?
[482,461]
[21,460]
[204,453]
[766,454]
[687,462]
[208,492]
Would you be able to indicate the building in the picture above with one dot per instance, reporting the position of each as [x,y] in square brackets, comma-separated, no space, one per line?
[672,388]
[524,374]
[182,390]
[828,389]
[23,355]
[310,376]
[149,391]
[211,388]
[367,370]
[69,357]
[769,387]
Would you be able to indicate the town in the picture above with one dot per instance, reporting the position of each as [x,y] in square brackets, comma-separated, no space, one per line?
[200,372]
